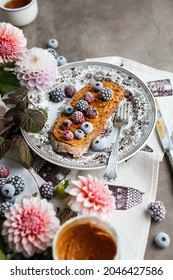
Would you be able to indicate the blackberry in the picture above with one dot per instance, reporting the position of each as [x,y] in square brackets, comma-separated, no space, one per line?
[88,96]
[53,52]
[4,171]
[70,90]
[4,207]
[106,94]
[57,94]
[47,190]
[3,181]
[157,210]
[78,117]
[17,181]
[92,112]
[82,105]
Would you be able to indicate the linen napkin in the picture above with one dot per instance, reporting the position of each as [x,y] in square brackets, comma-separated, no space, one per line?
[136,185]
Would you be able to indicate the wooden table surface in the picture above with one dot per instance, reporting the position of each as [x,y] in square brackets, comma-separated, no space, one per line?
[135,29]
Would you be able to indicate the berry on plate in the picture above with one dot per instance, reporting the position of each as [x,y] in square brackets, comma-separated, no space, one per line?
[88,96]
[98,86]
[4,206]
[79,134]
[87,127]
[68,135]
[92,112]
[17,181]
[82,105]
[70,90]
[68,110]
[57,94]
[47,190]
[78,117]
[97,145]
[8,190]
[106,94]
[66,124]
[4,171]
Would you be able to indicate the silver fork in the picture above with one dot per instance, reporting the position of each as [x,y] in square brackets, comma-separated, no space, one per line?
[120,119]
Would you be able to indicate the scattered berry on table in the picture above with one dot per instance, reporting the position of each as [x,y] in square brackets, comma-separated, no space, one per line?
[57,94]
[4,207]
[3,181]
[8,190]
[17,181]
[87,127]
[88,96]
[98,86]
[162,240]
[68,110]
[78,117]
[82,105]
[106,94]
[4,171]
[10,199]
[79,134]
[53,43]
[47,190]
[157,210]
[70,90]
[61,60]
[53,52]
[97,145]
[68,135]
[92,112]
[66,124]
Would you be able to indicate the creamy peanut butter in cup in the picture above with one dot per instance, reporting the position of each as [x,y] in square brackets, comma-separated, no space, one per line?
[86,238]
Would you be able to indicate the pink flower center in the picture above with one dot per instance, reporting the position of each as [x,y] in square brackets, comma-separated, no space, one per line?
[31,222]
[5,46]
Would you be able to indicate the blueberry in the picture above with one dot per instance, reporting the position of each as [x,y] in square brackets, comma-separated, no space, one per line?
[87,127]
[162,240]
[53,43]
[10,199]
[61,60]
[79,134]
[98,86]
[68,110]
[97,145]
[8,190]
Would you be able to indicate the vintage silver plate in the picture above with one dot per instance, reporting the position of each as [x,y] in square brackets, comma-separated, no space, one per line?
[133,136]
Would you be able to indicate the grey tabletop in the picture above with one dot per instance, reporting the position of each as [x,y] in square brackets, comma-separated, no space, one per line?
[134,29]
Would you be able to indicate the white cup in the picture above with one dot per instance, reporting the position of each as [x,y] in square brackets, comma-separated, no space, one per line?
[68,240]
[19,16]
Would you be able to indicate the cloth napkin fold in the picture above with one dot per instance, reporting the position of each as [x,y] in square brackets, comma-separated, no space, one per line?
[138,176]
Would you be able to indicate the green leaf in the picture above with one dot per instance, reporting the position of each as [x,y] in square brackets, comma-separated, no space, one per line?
[8,81]
[4,146]
[34,194]
[7,65]
[2,255]
[24,150]
[32,120]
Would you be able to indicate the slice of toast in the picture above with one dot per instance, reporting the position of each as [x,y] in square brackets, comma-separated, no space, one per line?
[77,147]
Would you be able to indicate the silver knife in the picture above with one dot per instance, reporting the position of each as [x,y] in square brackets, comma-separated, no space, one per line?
[164,136]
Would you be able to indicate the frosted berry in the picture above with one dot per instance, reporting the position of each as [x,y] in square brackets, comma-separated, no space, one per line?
[4,207]
[87,127]
[3,181]
[17,181]
[53,52]
[97,145]
[78,117]
[47,190]
[82,105]
[66,124]
[52,43]
[157,210]
[8,190]
[61,60]
[68,110]
[10,199]
[162,240]
[4,171]
[79,134]
[70,90]
[88,96]
[106,94]
[92,112]
[57,94]
[98,86]
[68,135]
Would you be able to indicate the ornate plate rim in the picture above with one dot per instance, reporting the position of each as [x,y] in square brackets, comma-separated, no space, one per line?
[88,167]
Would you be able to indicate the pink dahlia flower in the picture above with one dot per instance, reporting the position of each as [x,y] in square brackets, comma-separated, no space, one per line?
[30,226]
[12,43]
[36,69]
[90,197]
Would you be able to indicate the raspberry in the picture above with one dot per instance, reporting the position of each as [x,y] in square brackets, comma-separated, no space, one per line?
[157,210]
[106,94]
[82,105]
[17,181]
[4,171]
[70,91]
[78,117]
[57,94]
[4,208]
[89,97]
[68,135]
[47,190]
[66,124]
[92,112]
